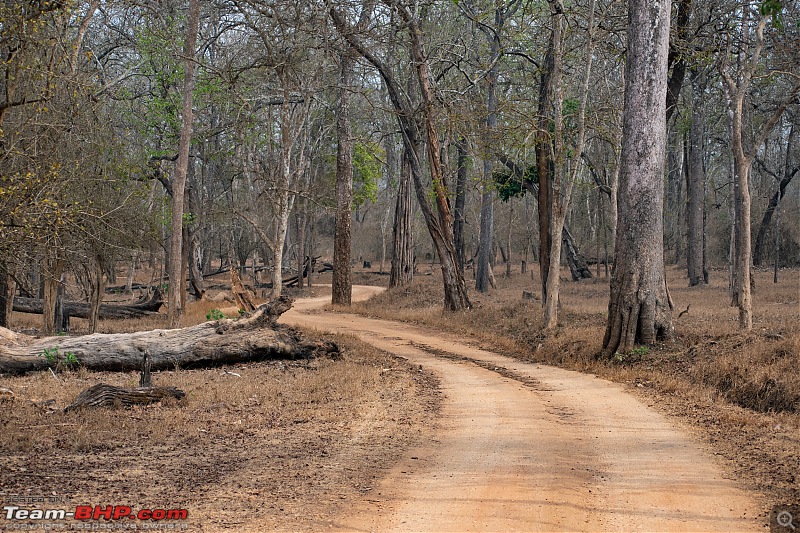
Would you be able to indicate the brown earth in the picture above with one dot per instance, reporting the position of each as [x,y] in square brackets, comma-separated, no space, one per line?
[357,443]
[526,447]
[269,446]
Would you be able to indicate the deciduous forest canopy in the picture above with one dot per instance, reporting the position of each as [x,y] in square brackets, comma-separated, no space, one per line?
[184,137]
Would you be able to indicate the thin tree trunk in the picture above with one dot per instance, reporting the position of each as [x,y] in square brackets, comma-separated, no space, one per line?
[179,183]
[486,239]
[461,198]
[5,295]
[510,234]
[788,174]
[543,162]
[563,183]
[95,275]
[300,222]
[695,189]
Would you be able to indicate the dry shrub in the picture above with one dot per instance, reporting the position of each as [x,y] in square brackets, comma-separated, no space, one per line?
[755,373]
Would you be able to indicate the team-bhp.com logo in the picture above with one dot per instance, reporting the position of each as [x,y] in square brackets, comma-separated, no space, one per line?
[97,512]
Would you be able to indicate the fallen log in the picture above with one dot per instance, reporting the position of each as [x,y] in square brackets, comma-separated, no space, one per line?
[102,395]
[256,337]
[145,307]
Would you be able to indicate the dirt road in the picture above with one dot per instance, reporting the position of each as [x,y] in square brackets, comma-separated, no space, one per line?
[525,447]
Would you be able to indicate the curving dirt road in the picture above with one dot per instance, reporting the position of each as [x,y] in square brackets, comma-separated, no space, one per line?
[526,447]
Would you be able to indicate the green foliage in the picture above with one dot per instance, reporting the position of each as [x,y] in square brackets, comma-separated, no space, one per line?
[774,9]
[640,351]
[510,186]
[56,361]
[51,354]
[215,314]
[70,359]
[367,171]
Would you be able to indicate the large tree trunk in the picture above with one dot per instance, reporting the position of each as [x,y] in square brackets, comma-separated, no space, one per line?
[695,190]
[342,288]
[639,308]
[208,344]
[402,270]
[179,183]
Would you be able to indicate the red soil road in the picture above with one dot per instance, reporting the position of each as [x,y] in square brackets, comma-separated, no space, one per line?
[527,447]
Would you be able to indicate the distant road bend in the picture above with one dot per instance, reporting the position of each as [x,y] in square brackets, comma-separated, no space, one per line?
[527,447]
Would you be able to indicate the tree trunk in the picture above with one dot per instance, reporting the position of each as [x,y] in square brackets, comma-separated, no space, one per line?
[486,238]
[563,182]
[50,283]
[742,240]
[95,276]
[342,289]
[543,164]
[455,289]
[788,174]
[5,309]
[282,196]
[639,308]
[303,261]
[179,183]
[209,344]
[578,267]
[695,189]
[509,235]
[461,198]
[402,270]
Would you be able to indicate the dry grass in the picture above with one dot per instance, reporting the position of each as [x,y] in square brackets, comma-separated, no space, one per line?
[741,390]
[282,446]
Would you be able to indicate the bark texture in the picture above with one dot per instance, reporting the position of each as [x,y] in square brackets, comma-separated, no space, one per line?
[212,343]
[639,308]
[342,285]
[402,270]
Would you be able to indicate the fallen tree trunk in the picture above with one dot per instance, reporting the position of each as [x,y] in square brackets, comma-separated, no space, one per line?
[213,343]
[83,309]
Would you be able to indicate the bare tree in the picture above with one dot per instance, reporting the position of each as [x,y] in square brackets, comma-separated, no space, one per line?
[440,223]
[736,82]
[176,276]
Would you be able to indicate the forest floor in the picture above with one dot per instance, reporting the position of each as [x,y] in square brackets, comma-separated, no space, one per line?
[261,446]
[310,445]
